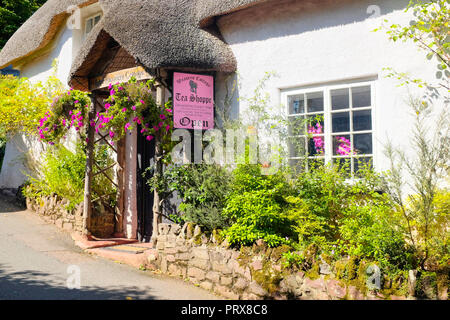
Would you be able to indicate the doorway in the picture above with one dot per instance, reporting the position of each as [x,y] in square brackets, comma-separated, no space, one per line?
[145,155]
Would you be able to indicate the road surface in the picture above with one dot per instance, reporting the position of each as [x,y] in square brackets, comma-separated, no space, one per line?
[38,260]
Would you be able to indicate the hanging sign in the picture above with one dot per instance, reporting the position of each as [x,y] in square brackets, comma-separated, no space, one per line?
[193,101]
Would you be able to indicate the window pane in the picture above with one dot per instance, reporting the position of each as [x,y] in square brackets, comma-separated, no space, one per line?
[297,126]
[362,120]
[341,122]
[96,20]
[363,143]
[89,26]
[342,145]
[362,164]
[316,146]
[316,124]
[315,101]
[361,97]
[297,147]
[297,104]
[340,99]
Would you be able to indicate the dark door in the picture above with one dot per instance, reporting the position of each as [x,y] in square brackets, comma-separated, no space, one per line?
[146,152]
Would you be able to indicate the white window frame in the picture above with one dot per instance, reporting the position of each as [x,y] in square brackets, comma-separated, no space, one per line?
[92,17]
[327,112]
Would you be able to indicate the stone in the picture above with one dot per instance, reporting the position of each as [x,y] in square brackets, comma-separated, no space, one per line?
[324,268]
[206,285]
[175,229]
[164,265]
[196,273]
[354,293]
[226,281]
[240,284]
[257,265]
[256,289]
[319,295]
[220,267]
[163,229]
[160,245]
[225,292]
[197,231]
[170,258]
[171,251]
[152,255]
[201,253]
[335,290]
[397,298]
[213,276]
[318,284]
[412,281]
[200,263]
[183,256]
[176,270]
[249,296]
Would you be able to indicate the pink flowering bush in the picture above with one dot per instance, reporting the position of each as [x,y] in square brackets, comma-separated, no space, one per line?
[131,105]
[67,111]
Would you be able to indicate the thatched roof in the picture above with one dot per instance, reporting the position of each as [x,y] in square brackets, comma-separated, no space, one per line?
[158,34]
[38,31]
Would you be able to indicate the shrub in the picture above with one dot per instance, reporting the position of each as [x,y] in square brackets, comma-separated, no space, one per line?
[62,172]
[256,207]
[203,190]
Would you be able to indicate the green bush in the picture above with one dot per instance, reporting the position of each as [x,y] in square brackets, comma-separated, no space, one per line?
[203,190]
[62,173]
[257,208]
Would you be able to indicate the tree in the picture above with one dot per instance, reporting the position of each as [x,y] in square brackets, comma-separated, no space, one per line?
[13,13]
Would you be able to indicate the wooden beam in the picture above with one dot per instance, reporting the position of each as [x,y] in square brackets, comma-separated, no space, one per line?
[160,101]
[87,208]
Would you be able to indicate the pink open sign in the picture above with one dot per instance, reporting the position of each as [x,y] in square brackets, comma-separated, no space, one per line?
[193,101]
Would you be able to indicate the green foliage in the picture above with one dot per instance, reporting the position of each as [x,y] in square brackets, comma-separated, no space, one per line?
[256,208]
[203,190]
[23,104]
[13,13]
[62,173]
[429,30]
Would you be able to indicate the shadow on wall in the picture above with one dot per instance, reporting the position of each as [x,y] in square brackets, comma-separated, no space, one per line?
[36,285]
[292,17]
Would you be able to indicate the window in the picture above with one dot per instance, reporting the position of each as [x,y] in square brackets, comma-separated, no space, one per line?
[91,22]
[331,124]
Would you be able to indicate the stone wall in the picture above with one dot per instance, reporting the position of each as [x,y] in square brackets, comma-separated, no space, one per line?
[54,210]
[249,274]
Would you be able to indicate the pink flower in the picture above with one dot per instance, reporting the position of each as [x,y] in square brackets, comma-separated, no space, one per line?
[134,108]
[111,134]
[169,110]
[161,124]
[107,106]
[150,138]
[142,101]
[163,117]
[127,126]
[155,128]
[76,101]
[124,110]
[167,128]
[112,92]
[110,86]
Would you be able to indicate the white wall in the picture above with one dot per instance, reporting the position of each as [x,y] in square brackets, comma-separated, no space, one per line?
[311,43]
[15,168]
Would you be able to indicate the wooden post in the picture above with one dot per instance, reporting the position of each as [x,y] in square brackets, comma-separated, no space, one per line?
[119,232]
[160,101]
[87,209]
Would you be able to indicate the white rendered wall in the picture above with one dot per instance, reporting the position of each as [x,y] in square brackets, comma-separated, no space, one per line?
[312,43]
[15,168]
